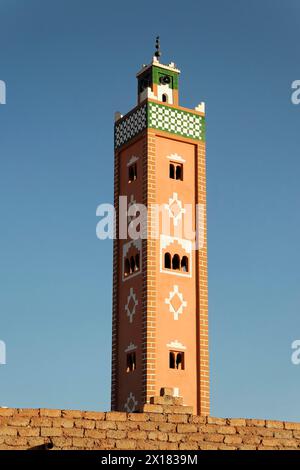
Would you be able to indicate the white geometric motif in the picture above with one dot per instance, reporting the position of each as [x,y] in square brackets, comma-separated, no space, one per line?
[176,345]
[132,160]
[176,158]
[131,305]
[126,247]
[130,126]
[176,302]
[175,208]
[131,347]
[162,117]
[131,403]
[167,240]
[176,121]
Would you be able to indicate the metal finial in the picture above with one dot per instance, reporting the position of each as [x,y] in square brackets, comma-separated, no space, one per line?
[157,47]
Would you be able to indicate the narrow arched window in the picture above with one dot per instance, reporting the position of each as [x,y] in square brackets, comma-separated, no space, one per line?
[137,262]
[132,173]
[164,98]
[172,360]
[180,360]
[167,260]
[127,267]
[131,362]
[185,264]
[179,169]
[176,262]
[172,171]
[132,264]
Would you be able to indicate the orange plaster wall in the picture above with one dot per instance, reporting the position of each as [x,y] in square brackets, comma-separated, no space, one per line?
[183,329]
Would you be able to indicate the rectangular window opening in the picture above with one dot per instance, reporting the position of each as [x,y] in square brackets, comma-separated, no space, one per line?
[176,171]
[132,173]
[131,362]
[176,360]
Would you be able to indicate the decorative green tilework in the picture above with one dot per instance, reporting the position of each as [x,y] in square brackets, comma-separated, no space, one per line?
[161,117]
[158,72]
[175,121]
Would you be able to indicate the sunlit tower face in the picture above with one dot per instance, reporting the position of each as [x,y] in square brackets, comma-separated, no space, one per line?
[160,309]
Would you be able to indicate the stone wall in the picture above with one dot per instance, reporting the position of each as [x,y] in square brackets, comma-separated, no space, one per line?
[161,426]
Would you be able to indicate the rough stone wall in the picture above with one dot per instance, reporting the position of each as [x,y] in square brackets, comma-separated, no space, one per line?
[160,427]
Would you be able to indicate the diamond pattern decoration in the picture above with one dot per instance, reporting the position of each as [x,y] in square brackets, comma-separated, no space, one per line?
[176,302]
[175,208]
[176,121]
[131,305]
[130,126]
[131,403]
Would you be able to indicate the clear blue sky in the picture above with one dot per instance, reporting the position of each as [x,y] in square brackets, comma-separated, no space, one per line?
[68,65]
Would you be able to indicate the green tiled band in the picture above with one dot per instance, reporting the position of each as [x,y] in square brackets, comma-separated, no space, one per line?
[176,121]
[161,117]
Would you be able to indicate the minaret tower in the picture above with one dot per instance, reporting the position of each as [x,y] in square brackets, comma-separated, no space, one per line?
[160,309]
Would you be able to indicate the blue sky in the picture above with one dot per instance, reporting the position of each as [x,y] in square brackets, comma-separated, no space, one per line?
[68,66]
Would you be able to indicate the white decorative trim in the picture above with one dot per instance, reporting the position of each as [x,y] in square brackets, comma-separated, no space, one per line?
[161,90]
[176,121]
[118,115]
[176,392]
[126,247]
[175,292]
[200,107]
[130,347]
[131,125]
[165,242]
[176,345]
[131,313]
[172,67]
[132,160]
[176,158]
[131,403]
[165,90]
[175,200]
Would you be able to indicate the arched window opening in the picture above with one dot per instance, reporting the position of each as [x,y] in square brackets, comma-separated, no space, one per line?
[172,360]
[179,171]
[164,98]
[132,173]
[132,264]
[185,264]
[176,262]
[127,267]
[131,362]
[172,171]
[176,171]
[180,360]
[167,260]
[137,262]
[176,360]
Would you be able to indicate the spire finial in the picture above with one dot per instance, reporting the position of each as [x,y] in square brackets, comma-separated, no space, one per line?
[157,47]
